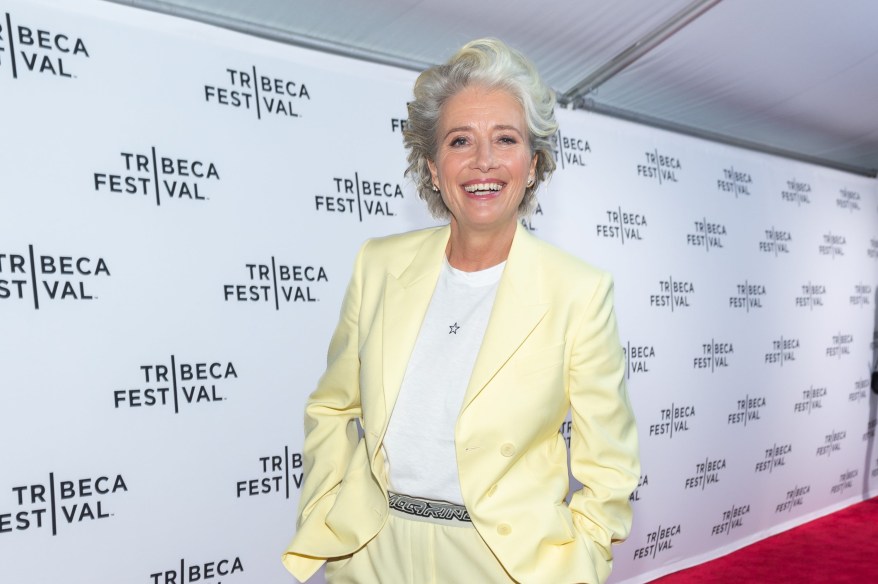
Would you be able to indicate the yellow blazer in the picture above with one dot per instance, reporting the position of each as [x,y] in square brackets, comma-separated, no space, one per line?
[551,346]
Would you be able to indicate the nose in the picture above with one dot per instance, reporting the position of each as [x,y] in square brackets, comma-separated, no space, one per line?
[484,160]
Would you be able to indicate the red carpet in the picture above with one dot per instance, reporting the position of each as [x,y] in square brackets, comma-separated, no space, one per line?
[838,548]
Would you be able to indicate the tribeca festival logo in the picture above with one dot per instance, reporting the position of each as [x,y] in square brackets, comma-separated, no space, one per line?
[570,151]
[831,443]
[707,235]
[748,296]
[748,410]
[622,225]
[164,177]
[796,192]
[714,355]
[566,428]
[862,295]
[398,125]
[674,420]
[782,351]
[861,390]
[734,181]
[641,484]
[833,245]
[60,503]
[637,358]
[732,519]
[795,497]
[776,242]
[49,278]
[186,572]
[34,50]
[276,283]
[845,482]
[775,457]
[177,385]
[359,197]
[812,399]
[706,473]
[841,345]
[673,294]
[660,166]
[264,96]
[660,540]
[528,222]
[812,296]
[277,473]
[848,199]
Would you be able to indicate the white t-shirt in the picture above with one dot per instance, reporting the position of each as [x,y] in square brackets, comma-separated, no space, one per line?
[419,442]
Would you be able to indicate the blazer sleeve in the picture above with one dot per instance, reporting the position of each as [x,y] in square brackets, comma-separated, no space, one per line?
[603,441]
[332,410]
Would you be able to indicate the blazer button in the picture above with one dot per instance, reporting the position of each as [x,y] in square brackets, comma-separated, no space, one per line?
[507,450]
[504,529]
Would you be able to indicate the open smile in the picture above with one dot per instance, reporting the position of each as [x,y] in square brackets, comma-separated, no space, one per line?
[483,189]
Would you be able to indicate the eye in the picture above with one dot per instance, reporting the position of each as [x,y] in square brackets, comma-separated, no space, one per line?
[457,141]
[508,140]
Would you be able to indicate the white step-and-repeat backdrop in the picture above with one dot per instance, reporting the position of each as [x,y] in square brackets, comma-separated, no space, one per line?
[180,206]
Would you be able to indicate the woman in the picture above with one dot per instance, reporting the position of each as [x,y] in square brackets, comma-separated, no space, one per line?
[460,350]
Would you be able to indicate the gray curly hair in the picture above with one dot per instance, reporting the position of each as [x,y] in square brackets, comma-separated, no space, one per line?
[489,63]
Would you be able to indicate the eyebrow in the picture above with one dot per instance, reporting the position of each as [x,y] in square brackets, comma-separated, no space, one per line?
[469,128]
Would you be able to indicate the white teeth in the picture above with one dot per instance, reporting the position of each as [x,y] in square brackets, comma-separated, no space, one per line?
[483,187]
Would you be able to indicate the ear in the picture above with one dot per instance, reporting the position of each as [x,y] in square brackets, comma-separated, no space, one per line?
[434,174]
[532,173]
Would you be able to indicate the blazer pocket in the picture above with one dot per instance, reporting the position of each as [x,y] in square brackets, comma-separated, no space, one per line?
[566,518]
[540,360]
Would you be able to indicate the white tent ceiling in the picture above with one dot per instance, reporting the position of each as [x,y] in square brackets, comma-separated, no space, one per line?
[792,77]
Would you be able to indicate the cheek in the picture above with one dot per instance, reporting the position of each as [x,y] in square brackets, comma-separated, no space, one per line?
[449,169]
[529,163]
[520,165]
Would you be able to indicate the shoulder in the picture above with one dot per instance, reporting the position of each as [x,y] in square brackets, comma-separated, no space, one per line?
[556,264]
[400,242]
[393,253]
[580,293]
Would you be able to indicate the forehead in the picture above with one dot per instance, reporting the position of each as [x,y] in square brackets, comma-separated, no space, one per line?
[477,106]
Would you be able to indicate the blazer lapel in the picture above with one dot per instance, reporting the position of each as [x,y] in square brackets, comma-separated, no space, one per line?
[518,308]
[406,299]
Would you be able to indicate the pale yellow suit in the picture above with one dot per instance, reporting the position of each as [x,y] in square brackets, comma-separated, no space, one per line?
[551,346]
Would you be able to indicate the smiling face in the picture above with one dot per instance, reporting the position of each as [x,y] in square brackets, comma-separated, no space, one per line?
[483,162]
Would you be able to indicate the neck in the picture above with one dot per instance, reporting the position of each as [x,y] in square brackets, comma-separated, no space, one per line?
[471,251]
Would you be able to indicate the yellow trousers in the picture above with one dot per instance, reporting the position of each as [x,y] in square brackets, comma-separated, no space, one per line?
[416,550]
